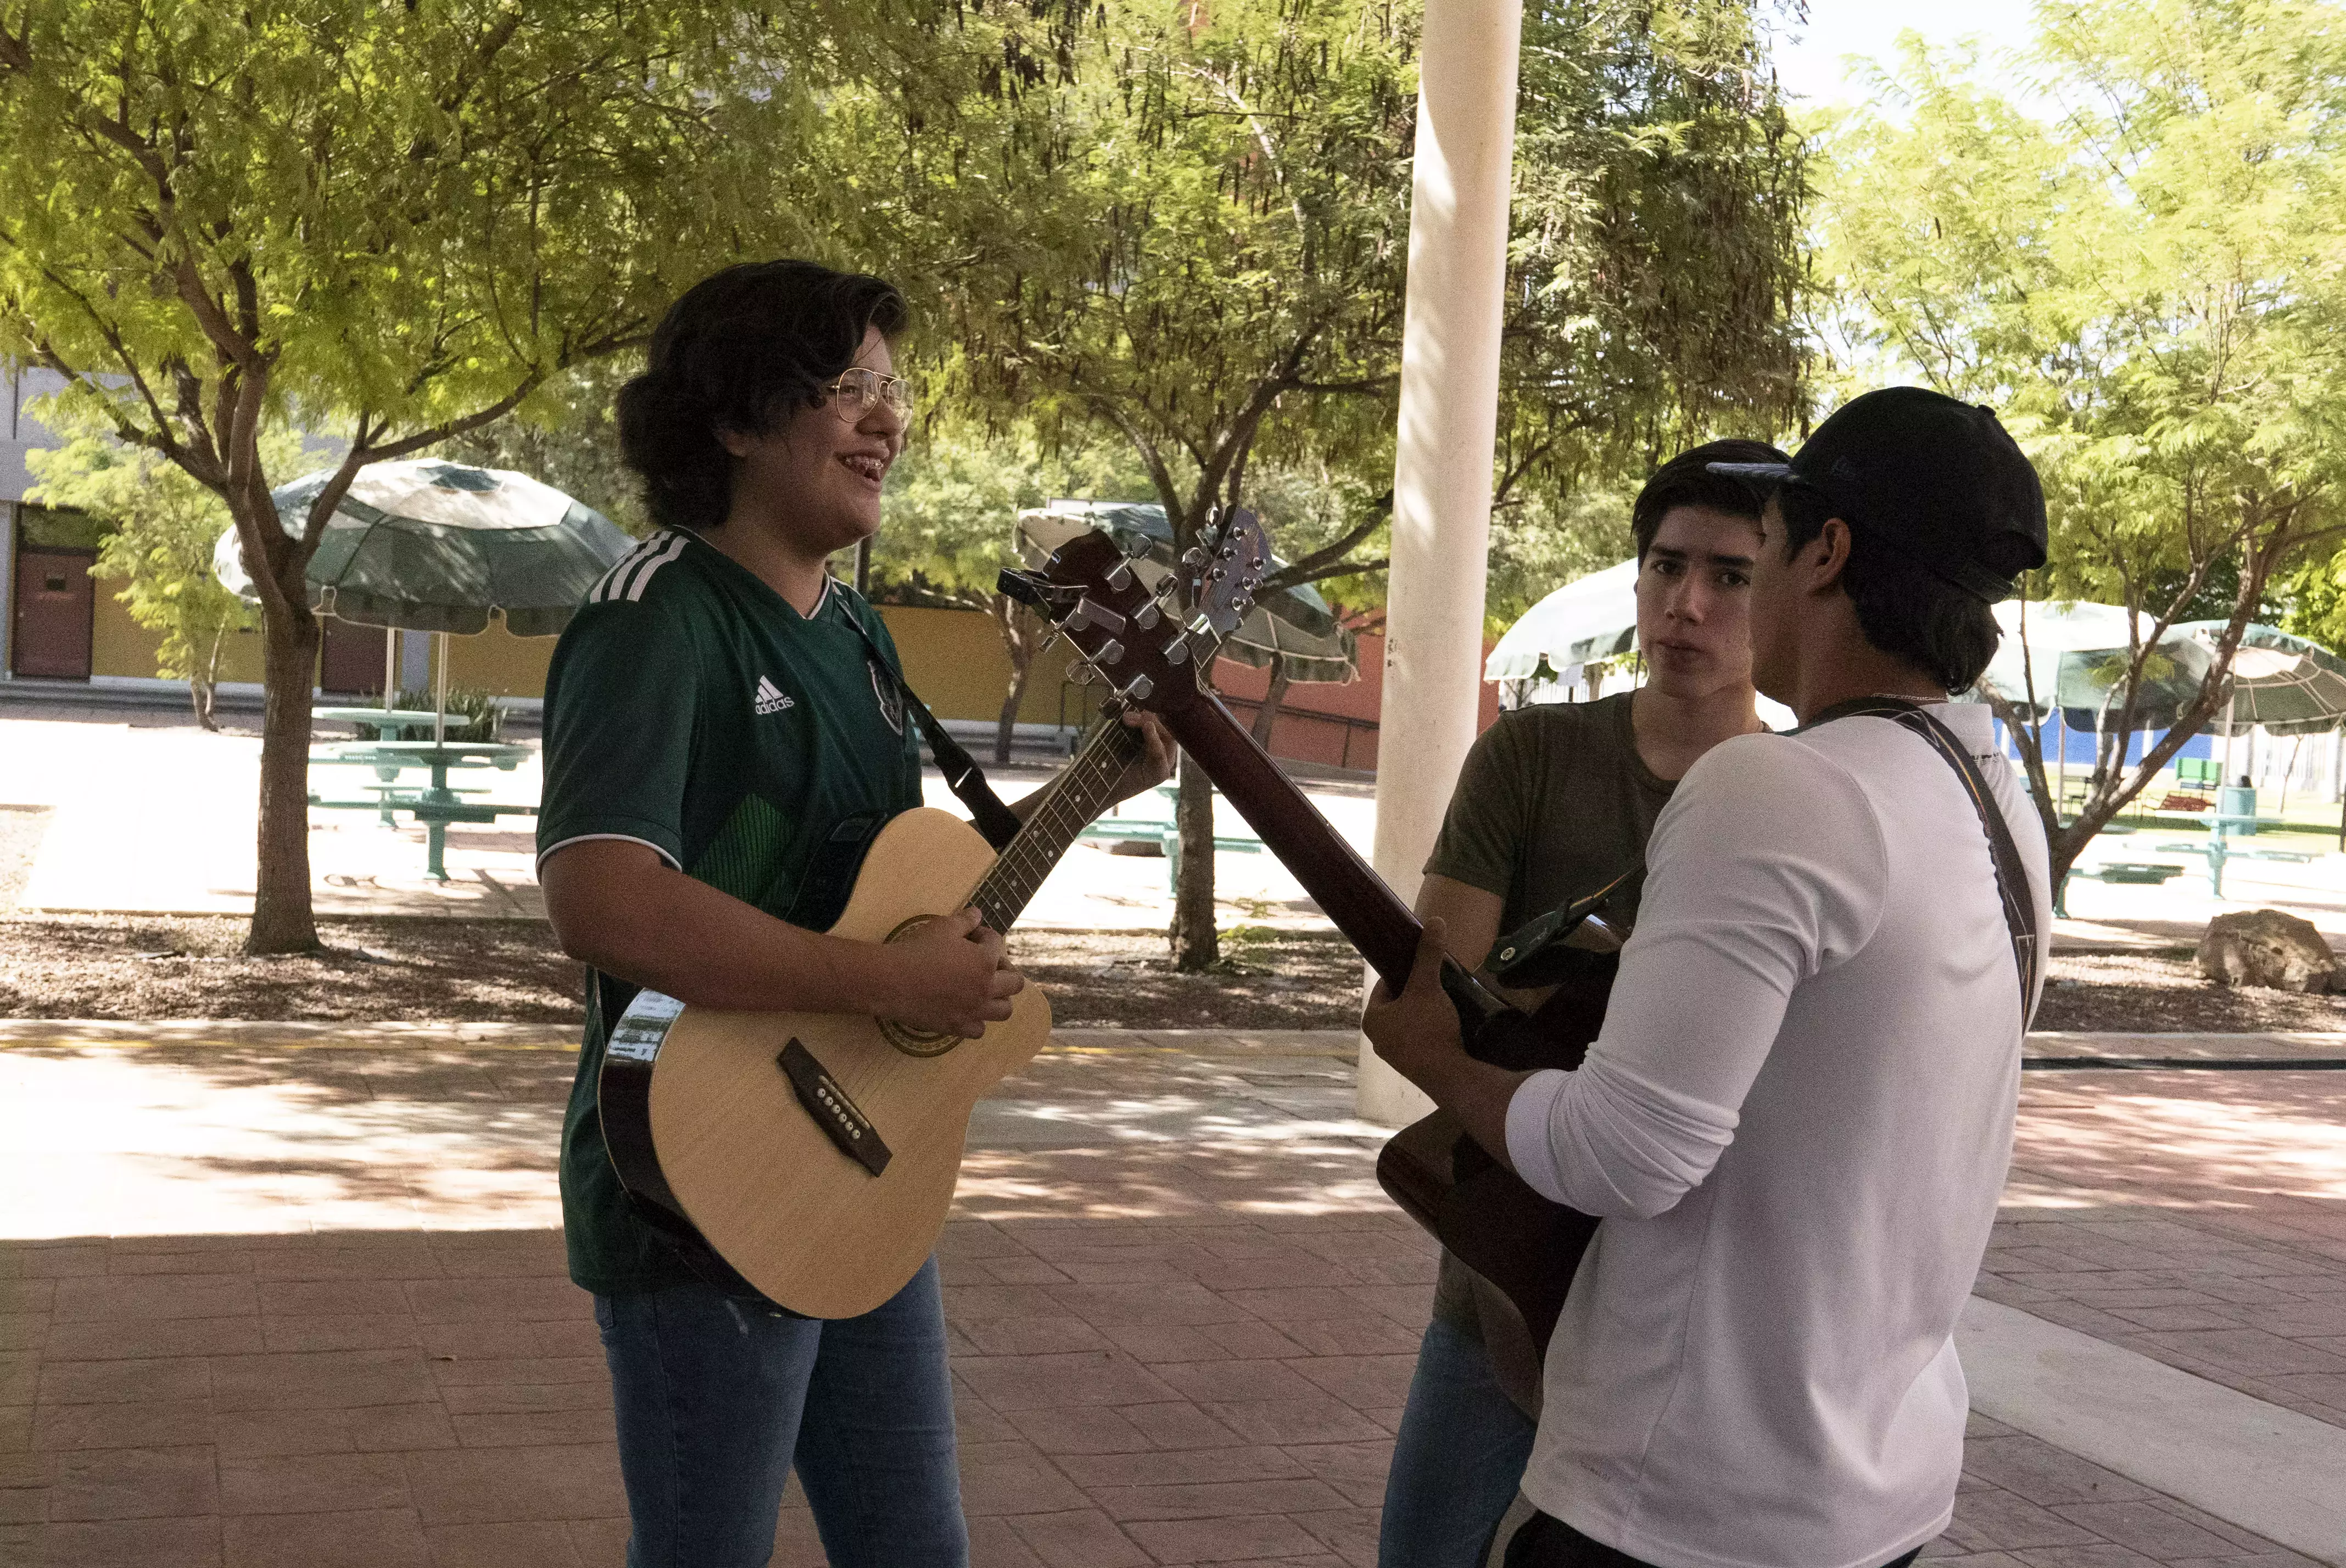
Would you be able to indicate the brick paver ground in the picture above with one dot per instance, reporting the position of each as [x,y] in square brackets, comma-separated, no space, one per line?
[1183,1316]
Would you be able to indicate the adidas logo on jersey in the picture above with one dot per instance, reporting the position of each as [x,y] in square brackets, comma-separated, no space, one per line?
[772,698]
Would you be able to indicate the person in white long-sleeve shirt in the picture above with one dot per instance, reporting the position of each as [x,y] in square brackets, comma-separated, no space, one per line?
[1797,1119]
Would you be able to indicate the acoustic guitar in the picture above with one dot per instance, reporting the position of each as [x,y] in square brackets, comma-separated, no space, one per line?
[815,1154]
[1525,1247]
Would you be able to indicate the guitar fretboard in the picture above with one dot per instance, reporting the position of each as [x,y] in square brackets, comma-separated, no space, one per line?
[1068,805]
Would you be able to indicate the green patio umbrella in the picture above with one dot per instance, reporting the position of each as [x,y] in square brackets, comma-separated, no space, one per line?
[1294,622]
[426,545]
[2287,684]
[2076,657]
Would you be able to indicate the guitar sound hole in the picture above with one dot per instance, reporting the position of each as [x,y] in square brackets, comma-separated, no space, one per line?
[915,1042]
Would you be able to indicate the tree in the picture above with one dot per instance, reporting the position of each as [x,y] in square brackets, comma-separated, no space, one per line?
[2148,292]
[389,224]
[951,520]
[163,528]
[567,435]
[1213,267]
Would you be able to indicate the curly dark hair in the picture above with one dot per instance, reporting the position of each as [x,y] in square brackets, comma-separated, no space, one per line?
[741,350]
[1686,480]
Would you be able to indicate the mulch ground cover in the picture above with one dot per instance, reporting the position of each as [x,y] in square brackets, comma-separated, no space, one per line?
[376,971]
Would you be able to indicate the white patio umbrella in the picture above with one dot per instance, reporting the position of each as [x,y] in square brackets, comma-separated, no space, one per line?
[1589,618]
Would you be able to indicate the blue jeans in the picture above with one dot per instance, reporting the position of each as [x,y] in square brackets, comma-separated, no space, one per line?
[718,1398]
[1458,1461]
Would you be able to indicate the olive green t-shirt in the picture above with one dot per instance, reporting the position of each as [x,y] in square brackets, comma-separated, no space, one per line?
[688,708]
[1554,802]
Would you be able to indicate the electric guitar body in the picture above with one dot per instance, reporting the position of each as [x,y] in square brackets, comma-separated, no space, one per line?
[712,1127]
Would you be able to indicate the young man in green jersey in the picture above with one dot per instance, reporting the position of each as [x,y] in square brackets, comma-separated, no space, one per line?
[721,704]
[1555,801]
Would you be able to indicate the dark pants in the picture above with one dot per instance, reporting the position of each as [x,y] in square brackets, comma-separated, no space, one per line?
[1544,1542]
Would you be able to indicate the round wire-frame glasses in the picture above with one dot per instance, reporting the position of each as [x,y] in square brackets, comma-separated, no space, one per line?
[860,386]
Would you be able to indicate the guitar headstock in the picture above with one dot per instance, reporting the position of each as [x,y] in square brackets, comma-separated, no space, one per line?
[1124,629]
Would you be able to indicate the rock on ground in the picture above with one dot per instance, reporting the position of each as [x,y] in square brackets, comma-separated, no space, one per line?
[2267,948]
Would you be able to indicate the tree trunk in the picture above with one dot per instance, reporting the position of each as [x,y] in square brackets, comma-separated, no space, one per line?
[1196,943]
[1266,717]
[1018,640]
[281,917]
[203,683]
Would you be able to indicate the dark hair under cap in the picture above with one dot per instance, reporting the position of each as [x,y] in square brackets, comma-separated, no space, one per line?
[741,351]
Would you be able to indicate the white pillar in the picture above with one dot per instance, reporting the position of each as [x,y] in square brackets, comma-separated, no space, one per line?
[1442,471]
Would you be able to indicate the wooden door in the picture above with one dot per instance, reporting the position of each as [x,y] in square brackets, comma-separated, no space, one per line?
[351,662]
[56,601]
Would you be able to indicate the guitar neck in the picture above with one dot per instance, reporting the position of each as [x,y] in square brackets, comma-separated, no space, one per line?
[1083,790]
[1352,894]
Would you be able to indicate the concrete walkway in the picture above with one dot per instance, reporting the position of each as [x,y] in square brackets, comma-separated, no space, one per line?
[282,1298]
[115,841]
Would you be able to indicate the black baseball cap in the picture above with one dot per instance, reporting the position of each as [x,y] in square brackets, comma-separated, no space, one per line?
[1937,481]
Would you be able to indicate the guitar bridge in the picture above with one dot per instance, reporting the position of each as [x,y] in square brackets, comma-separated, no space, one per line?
[841,1121]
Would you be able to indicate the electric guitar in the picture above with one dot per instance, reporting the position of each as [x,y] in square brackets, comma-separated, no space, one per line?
[815,1154]
[1522,1244]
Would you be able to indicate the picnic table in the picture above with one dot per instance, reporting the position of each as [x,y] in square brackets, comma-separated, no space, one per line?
[1145,827]
[436,806]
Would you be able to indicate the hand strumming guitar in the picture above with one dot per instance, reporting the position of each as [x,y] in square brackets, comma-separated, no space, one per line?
[953,978]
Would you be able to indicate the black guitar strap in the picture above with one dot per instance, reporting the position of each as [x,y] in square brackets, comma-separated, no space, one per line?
[2011,877]
[962,775]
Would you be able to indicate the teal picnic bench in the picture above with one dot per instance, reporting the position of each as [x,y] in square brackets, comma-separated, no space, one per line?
[1165,834]
[435,806]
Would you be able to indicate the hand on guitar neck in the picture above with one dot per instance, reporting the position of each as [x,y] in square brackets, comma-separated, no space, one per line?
[1417,1032]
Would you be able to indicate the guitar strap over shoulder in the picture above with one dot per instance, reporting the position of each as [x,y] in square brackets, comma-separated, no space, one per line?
[2011,876]
[962,775]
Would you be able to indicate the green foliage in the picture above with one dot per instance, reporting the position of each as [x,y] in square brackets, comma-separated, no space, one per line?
[1215,263]
[161,528]
[1658,266]
[1543,543]
[386,224]
[568,436]
[474,715]
[954,500]
[2150,290]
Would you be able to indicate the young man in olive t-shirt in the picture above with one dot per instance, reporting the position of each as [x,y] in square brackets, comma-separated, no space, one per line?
[1555,801]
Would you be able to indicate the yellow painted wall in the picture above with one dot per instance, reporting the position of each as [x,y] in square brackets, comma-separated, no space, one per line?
[120,645]
[498,662]
[955,660]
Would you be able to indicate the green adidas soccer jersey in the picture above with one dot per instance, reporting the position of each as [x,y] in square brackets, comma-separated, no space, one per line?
[689,708]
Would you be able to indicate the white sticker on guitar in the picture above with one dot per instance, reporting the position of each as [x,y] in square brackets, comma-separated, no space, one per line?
[643,1027]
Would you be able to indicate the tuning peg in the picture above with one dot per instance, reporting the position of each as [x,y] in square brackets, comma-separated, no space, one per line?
[1178,650]
[1134,545]
[1146,617]
[1141,689]
[1119,576]
[1194,557]
[1242,603]
[1081,673]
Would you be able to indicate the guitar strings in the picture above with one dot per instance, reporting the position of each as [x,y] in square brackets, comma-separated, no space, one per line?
[1067,808]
